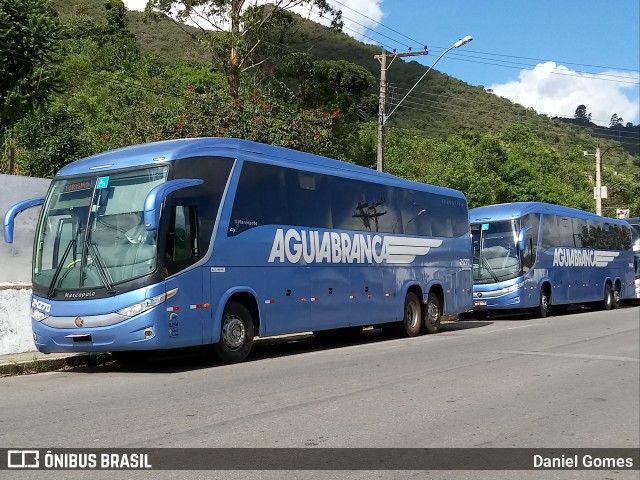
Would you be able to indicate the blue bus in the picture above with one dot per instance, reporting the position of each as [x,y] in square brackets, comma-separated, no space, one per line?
[215,240]
[635,238]
[533,255]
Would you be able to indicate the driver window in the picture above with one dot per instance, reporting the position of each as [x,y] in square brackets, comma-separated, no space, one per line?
[182,238]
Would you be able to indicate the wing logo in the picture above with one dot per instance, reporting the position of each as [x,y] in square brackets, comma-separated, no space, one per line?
[605,258]
[311,246]
[403,250]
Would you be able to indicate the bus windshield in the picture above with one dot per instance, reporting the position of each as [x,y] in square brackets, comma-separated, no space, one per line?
[495,253]
[91,233]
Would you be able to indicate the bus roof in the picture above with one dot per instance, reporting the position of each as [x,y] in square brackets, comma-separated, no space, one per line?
[507,211]
[171,150]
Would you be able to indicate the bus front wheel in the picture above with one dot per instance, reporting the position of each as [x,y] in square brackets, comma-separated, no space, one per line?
[542,310]
[432,314]
[236,334]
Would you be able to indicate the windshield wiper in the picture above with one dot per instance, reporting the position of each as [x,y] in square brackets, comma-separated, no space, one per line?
[489,269]
[91,248]
[56,274]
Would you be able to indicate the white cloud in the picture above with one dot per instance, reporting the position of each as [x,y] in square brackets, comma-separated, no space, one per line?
[137,5]
[556,91]
[367,16]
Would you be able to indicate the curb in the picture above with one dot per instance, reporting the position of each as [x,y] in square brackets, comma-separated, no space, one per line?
[40,365]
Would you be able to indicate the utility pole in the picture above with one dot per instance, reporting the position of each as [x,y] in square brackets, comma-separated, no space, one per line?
[598,182]
[382,116]
[382,58]
[597,193]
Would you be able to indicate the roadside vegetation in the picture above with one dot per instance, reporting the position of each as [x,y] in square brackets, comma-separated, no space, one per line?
[84,76]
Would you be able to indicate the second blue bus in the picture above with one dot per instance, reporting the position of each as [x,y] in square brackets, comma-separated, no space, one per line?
[635,238]
[538,256]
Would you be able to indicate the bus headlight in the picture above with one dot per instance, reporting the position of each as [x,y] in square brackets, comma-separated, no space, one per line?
[38,315]
[512,288]
[146,304]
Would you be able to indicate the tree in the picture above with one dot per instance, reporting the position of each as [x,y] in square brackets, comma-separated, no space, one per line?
[615,121]
[581,114]
[28,41]
[330,83]
[48,140]
[239,36]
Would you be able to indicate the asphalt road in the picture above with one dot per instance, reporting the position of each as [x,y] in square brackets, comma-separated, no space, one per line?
[570,381]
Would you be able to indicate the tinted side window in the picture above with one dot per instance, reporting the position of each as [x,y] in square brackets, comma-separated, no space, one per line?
[360,206]
[550,236]
[260,198]
[272,195]
[565,232]
[579,226]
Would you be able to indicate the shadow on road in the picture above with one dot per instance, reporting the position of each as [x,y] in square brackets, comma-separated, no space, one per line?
[195,358]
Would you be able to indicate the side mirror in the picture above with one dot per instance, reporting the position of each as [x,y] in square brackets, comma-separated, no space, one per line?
[522,236]
[155,198]
[10,216]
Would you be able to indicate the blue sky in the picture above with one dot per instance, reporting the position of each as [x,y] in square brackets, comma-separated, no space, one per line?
[594,46]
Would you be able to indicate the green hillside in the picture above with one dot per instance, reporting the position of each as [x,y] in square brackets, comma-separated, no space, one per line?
[447,106]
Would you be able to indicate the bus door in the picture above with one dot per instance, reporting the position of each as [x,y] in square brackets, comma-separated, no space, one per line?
[190,306]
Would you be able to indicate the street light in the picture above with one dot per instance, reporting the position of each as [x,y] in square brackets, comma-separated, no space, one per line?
[383,118]
[598,189]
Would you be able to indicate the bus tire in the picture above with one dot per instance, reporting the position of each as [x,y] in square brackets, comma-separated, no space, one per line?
[432,314]
[542,310]
[607,301]
[236,334]
[615,304]
[412,321]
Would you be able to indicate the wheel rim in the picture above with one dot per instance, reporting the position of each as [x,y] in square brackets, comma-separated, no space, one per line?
[411,315]
[433,314]
[616,296]
[544,302]
[607,297]
[233,333]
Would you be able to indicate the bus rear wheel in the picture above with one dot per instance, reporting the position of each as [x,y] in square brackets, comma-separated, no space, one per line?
[412,321]
[616,297]
[432,314]
[236,334]
[607,302]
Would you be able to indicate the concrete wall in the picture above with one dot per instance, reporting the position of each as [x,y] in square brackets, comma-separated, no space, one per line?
[15,263]
[15,320]
[15,258]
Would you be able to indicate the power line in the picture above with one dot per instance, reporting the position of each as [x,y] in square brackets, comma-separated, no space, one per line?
[537,111]
[435,47]
[504,121]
